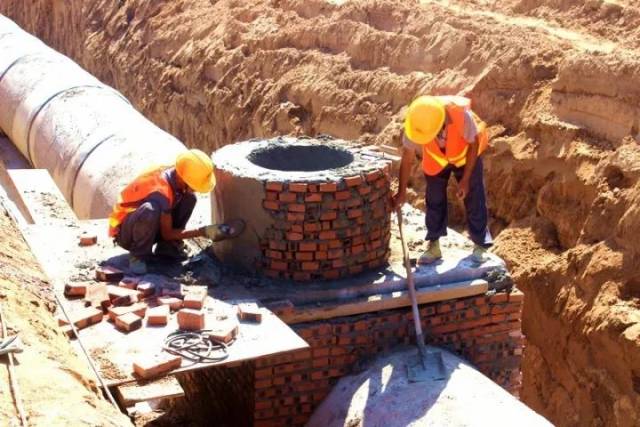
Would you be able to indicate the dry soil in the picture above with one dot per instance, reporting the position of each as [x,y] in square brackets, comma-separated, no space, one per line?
[556,79]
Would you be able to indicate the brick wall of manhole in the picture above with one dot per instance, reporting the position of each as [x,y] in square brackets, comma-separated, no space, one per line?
[315,208]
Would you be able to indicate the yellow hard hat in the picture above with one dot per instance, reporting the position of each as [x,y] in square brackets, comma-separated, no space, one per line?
[196,170]
[424,119]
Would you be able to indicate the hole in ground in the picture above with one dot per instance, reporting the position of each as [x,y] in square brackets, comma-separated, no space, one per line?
[300,158]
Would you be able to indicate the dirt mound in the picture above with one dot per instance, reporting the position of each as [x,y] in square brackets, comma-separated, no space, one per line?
[55,385]
[555,78]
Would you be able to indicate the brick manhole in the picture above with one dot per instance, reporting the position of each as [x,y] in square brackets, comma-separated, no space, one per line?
[315,208]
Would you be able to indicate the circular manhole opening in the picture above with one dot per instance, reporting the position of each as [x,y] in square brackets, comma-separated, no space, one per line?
[300,158]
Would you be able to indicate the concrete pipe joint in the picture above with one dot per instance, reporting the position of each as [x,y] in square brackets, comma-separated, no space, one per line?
[61,118]
[315,209]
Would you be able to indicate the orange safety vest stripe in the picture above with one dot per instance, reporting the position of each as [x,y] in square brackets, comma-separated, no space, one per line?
[456,147]
[134,194]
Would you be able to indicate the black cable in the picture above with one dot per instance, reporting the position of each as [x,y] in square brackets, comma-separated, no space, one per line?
[197,347]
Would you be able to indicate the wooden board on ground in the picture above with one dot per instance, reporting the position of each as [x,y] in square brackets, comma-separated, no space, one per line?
[56,248]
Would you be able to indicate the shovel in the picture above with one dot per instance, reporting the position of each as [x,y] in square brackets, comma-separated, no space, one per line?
[429,366]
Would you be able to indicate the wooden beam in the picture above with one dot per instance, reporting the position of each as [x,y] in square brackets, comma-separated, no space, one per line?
[385,301]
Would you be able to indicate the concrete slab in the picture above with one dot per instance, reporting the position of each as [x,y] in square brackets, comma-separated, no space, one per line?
[383,396]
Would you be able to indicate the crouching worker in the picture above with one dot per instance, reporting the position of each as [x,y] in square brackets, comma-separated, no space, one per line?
[156,206]
[449,137]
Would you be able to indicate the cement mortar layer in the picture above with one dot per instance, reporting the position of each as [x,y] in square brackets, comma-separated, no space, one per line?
[314,208]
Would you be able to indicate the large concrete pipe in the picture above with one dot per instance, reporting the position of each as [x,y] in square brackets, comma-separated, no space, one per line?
[64,120]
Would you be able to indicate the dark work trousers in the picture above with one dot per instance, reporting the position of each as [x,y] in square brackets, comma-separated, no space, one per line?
[475,204]
[141,228]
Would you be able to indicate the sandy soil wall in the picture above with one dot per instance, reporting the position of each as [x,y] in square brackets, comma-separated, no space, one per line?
[555,78]
[55,386]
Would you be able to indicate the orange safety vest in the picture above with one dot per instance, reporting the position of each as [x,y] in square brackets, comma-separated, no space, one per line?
[134,194]
[433,159]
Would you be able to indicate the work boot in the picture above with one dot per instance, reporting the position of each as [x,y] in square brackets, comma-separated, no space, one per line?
[432,254]
[175,250]
[137,266]
[479,254]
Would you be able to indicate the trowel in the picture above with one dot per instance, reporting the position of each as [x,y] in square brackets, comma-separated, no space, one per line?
[429,365]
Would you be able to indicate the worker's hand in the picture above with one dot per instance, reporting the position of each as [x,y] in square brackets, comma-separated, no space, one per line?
[463,189]
[218,232]
[398,200]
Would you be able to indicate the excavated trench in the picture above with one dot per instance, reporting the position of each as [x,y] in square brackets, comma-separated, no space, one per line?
[554,79]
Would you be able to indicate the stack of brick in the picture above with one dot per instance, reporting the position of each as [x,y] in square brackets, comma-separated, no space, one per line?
[483,329]
[327,230]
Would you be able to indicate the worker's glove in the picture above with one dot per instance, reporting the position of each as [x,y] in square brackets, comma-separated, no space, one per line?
[218,232]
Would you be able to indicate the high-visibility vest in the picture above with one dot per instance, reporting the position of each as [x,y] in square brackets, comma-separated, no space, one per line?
[433,159]
[134,194]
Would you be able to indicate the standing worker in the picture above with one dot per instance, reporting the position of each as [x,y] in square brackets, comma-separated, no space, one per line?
[450,138]
[156,206]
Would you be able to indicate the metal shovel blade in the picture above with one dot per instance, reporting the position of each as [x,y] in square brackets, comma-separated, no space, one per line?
[427,367]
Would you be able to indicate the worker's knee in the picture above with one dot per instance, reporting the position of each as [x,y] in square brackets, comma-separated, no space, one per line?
[146,221]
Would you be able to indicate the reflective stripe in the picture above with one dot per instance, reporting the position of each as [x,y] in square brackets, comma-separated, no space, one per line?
[438,158]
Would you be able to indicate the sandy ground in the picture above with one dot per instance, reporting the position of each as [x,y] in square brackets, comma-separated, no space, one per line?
[54,384]
[556,79]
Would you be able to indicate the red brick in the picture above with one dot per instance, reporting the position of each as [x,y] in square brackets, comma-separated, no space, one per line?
[364,190]
[277,246]
[327,235]
[336,253]
[108,274]
[263,404]
[173,302]
[271,205]
[307,246]
[331,274]
[75,289]
[294,237]
[313,197]
[297,207]
[321,255]
[310,227]
[271,195]
[356,269]
[310,266]
[499,298]
[516,296]
[353,181]
[354,213]
[87,239]
[329,187]
[274,186]
[190,320]
[194,300]
[295,217]
[153,366]
[274,254]
[329,216]
[128,322]
[287,197]
[297,187]
[249,312]
[304,256]
[146,289]
[279,265]
[263,373]
[224,331]
[372,176]
[343,195]
[139,309]
[158,315]
[85,317]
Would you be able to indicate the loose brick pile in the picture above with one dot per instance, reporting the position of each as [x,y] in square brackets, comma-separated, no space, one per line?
[483,329]
[327,230]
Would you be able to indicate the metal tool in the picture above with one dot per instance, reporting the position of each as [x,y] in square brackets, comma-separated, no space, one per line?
[429,366]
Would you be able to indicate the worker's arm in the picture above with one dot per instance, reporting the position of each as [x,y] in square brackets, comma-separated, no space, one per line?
[169,233]
[471,158]
[408,154]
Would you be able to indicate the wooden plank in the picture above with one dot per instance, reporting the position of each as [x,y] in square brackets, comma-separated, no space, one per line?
[41,196]
[112,351]
[390,301]
[144,391]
